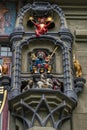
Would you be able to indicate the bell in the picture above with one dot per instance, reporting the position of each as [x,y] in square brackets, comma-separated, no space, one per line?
[29,22]
[52,24]
[49,19]
[31,18]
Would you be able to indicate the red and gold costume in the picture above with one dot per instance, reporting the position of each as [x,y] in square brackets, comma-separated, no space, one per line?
[41,26]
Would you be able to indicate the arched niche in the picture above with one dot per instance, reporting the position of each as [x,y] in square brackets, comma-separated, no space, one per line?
[45,46]
[29,28]
[25,21]
[43,8]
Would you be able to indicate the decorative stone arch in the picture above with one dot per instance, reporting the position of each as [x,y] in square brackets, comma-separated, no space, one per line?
[55,8]
[68,78]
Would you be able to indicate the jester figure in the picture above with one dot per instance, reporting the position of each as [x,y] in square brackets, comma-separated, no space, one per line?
[41,26]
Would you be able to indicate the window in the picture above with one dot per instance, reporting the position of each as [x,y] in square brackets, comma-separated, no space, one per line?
[5,57]
[5,51]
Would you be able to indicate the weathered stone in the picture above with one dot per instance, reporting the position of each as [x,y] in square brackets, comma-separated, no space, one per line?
[41,128]
[82,104]
[81,46]
[80,121]
[81,33]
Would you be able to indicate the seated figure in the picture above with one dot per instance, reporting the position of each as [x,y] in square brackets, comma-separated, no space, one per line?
[40,63]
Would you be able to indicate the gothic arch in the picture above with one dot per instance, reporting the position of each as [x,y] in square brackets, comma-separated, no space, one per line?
[56,41]
[55,8]
[68,80]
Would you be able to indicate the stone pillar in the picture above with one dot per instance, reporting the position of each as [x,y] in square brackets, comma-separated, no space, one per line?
[68,78]
[16,69]
[67,39]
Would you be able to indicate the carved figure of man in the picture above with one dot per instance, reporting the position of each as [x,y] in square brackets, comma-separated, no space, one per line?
[40,64]
[77,67]
[37,62]
[4,68]
[45,82]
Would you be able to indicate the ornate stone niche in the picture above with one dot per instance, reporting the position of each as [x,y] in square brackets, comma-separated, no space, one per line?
[29,27]
[43,106]
[48,48]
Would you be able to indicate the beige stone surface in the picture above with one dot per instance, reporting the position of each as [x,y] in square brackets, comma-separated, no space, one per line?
[82,56]
[82,104]
[41,128]
[80,121]
[81,33]
[81,46]
[74,24]
[80,49]
[66,125]
[79,29]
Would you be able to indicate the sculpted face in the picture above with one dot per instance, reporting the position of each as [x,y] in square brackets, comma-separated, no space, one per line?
[41,55]
[42,20]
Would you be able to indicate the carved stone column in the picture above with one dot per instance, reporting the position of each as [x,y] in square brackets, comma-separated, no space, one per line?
[67,38]
[15,40]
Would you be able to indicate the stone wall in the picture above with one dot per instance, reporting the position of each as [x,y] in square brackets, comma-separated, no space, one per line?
[77,22]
